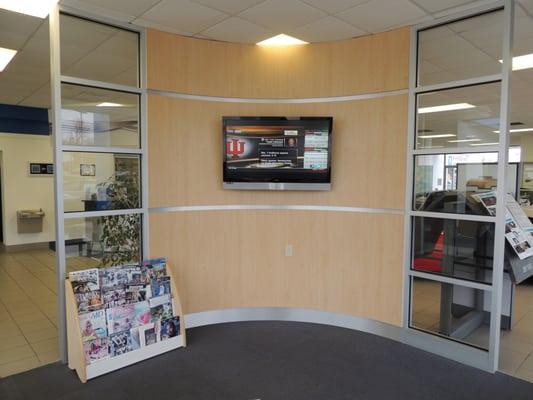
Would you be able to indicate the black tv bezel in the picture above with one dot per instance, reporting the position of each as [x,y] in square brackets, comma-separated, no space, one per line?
[307,178]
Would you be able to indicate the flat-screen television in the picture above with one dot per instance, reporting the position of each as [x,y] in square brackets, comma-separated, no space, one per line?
[277,153]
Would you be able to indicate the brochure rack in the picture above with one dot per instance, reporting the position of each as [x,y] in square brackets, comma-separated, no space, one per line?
[76,355]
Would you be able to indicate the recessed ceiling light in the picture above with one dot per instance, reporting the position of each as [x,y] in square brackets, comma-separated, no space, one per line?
[446,107]
[35,8]
[522,62]
[436,136]
[106,104]
[464,140]
[6,55]
[281,40]
[518,130]
[485,144]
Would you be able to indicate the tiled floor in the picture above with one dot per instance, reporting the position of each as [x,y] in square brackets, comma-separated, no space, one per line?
[516,350]
[28,310]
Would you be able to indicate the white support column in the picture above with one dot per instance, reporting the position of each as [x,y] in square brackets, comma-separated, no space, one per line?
[55,84]
[501,193]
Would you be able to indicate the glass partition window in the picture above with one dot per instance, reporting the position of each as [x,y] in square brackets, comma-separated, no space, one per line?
[102,241]
[99,117]
[455,248]
[459,50]
[456,312]
[464,117]
[100,181]
[449,183]
[95,51]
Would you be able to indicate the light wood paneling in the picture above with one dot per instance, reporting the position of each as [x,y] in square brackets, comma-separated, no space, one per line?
[349,263]
[367,64]
[368,167]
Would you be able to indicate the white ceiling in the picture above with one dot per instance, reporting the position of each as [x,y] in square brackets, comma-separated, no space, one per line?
[250,21]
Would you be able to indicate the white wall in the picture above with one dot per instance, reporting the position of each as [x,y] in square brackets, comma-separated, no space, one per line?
[21,191]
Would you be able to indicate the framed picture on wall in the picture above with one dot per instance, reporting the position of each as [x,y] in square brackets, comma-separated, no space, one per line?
[87,169]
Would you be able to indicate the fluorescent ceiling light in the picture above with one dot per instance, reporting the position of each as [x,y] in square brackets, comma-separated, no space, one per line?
[484,144]
[106,104]
[431,147]
[436,136]
[464,140]
[6,55]
[281,40]
[446,107]
[522,62]
[518,130]
[35,8]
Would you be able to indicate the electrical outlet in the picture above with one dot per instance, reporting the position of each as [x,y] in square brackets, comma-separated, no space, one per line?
[288,250]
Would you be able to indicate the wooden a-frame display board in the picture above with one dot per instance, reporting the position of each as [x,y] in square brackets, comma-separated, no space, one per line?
[76,354]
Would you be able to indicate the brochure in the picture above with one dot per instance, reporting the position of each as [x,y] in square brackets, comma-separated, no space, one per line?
[89,301]
[85,280]
[162,311]
[136,293]
[170,328]
[96,350]
[149,333]
[120,343]
[120,318]
[142,313]
[93,325]
[160,286]
[155,268]
[115,296]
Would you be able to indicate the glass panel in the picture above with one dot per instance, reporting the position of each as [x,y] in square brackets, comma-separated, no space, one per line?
[95,51]
[446,182]
[100,181]
[464,49]
[98,117]
[102,241]
[453,311]
[522,102]
[463,117]
[459,249]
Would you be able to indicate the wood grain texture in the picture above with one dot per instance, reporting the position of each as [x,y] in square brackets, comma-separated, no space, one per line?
[368,162]
[349,263]
[373,63]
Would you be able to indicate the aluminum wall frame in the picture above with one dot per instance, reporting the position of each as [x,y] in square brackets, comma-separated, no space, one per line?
[487,360]
[59,148]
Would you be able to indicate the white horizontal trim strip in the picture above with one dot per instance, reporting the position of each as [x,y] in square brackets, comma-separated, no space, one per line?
[103,213]
[487,79]
[101,149]
[443,215]
[365,96]
[100,85]
[457,150]
[453,281]
[277,207]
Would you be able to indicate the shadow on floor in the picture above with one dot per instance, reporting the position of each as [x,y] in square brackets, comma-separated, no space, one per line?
[276,360]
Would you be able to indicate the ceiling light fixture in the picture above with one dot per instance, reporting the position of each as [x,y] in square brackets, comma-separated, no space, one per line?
[446,107]
[106,104]
[522,62]
[6,55]
[518,130]
[35,8]
[464,140]
[281,40]
[436,136]
[485,144]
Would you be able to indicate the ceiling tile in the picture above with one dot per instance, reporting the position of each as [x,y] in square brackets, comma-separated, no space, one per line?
[439,5]
[236,29]
[334,6]
[229,6]
[372,18]
[326,29]
[282,15]
[183,15]
[123,10]
[16,29]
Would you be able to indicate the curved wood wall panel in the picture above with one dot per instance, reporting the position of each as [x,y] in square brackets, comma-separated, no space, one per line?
[373,63]
[368,169]
[347,263]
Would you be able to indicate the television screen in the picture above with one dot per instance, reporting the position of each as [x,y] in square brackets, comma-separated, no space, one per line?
[277,152]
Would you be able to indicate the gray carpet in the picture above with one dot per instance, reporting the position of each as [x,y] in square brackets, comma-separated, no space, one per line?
[274,361]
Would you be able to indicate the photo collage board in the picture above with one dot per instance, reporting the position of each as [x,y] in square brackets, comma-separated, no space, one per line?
[124,308]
